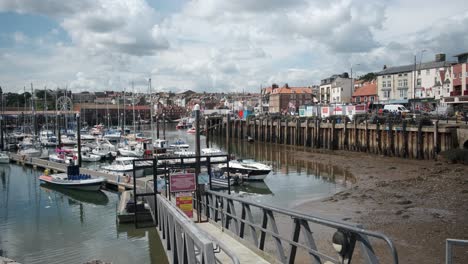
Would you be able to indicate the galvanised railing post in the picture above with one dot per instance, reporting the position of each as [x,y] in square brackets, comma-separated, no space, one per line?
[261,244]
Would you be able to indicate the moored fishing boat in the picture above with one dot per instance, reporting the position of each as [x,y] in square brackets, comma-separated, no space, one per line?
[249,169]
[73,180]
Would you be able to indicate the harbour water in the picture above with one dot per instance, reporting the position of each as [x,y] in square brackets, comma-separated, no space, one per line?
[39,225]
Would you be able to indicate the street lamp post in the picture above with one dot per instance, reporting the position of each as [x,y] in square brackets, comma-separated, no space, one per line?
[352,83]
[415,77]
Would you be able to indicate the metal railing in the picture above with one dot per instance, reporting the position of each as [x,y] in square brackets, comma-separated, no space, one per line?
[449,243]
[223,208]
[181,239]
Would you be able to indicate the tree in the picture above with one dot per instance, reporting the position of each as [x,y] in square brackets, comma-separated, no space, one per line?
[368,77]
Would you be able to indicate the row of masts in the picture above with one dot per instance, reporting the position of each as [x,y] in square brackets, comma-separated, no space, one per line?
[121,123]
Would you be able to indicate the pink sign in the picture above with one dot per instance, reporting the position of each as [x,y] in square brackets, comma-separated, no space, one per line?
[183,182]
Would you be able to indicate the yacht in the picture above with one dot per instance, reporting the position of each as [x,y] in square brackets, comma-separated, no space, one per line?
[249,169]
[30,151]
[131,150]
[112,135]
[62,156]
[47,138]
[105,149]
[123,165]
[68,140]
[89,157]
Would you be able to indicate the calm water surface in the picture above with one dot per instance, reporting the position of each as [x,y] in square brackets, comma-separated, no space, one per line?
[39,225]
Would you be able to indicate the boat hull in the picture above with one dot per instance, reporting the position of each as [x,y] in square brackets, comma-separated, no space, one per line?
[84,185]
[4,160]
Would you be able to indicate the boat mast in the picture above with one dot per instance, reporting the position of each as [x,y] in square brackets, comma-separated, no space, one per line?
[133,101]
[44,109]
[151,109]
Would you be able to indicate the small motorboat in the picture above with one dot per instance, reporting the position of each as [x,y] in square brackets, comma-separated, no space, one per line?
[30,151]
[62,156]
[124,165]
[179,144]
[90,157]
[192,130]
[249,169]
[4,158]
[73,180]
[132,151]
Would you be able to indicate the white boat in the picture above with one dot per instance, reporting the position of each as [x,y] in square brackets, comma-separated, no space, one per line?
[112,135]
[179,144]
[31,152]
[4,158]
[105,149]
[47,138]
[123,165]
[80,181]
[213,152]
[62,156]
[132,150]
[90,157]
[68,141]
[87,137]
[249,169]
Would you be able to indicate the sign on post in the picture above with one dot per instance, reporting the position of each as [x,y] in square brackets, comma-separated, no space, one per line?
[182,182]
[185,203]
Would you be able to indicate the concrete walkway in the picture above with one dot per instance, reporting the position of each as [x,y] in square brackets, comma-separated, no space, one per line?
[242,252]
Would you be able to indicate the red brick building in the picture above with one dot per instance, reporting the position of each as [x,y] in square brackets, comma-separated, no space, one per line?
[366,93]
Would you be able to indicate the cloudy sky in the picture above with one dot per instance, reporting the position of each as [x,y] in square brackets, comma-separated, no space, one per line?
[216,45]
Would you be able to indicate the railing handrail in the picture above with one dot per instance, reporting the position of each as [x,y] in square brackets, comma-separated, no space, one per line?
[353,228]
[295,214]
[203,241]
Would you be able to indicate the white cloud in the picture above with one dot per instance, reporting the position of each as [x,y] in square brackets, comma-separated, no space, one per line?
[226,45]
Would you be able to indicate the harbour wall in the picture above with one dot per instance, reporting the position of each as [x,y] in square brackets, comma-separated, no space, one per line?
[396,140]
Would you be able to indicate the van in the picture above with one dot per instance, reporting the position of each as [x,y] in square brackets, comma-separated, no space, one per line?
[397,108]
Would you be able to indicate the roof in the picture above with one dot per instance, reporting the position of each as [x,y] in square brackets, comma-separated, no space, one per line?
[461,54]
[292,90]
[410,68]
[367,89]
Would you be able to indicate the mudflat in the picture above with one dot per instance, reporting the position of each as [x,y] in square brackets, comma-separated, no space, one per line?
[417,203]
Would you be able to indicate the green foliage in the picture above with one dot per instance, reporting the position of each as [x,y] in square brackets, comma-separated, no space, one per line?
[456,155]
[368,77]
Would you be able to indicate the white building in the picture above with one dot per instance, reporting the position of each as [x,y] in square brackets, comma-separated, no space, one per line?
[336,89]
[428,80]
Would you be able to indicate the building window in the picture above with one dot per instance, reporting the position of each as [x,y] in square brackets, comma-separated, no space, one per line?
[365,98]
[402,93]
[400,83]
[399,75]
[358,99]
[384,84]
[419,72]
[372,98]
[389,84]
[427,72]
[341,88]
[386,94]
[405,83]
[418,82]
[460,75]
[405,74]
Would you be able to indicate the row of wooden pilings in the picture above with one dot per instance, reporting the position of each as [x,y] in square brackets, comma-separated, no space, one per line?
[397,140]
